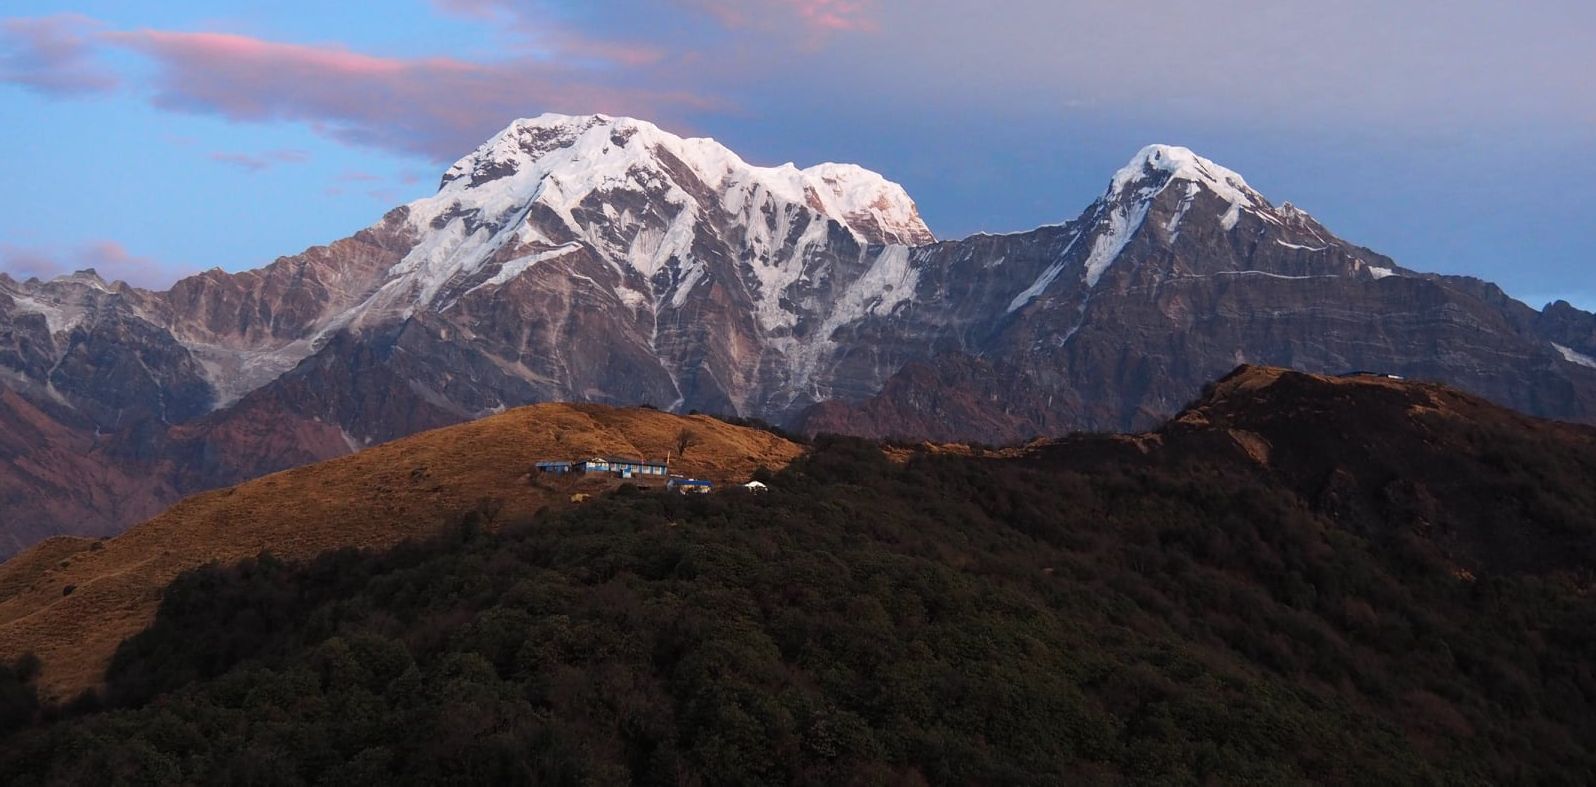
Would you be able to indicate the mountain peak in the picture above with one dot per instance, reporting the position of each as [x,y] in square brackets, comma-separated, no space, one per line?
[1156,166]
[585,153]
[641,198]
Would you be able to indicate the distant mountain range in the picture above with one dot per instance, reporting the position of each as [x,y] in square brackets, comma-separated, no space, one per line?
[604,260]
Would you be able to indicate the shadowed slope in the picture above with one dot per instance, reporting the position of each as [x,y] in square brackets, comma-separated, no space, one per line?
[72,601]
[1413,465]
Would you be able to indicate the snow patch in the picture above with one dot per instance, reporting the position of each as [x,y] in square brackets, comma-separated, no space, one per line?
[694,275]
[1122,225]
[1301,248]
[1380,273]
[58,318]
[890,281]
[1574,356]
[1045,280]
[774,274]
[1173,227]
[514,268]
[1266,274]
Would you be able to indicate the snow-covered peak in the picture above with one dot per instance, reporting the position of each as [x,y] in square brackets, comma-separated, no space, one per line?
[869,203]
[1155,166]
[563,159]
[528,141]
[643,200]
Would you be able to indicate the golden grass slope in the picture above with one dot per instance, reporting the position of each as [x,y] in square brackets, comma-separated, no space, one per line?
[375,498]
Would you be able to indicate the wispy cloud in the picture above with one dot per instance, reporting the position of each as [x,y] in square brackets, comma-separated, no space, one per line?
[439,107]
[111,260]
[545,25]
[53,55]
[262,161]
[815,15]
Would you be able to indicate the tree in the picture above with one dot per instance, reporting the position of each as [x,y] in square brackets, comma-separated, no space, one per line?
[486,512]
[685,439]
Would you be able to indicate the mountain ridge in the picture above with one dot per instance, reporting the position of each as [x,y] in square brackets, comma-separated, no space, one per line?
[426,480]
[603,259]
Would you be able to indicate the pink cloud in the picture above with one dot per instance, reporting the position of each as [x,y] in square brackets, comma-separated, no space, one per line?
[53,55]
[111,260]
[440,107]
[837,14]
[536,21]
[256,163]
[22,262]
[817,15]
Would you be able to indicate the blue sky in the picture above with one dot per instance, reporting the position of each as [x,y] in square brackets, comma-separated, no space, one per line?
[160,139]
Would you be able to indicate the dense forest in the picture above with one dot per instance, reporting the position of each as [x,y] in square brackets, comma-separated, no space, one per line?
[943,620]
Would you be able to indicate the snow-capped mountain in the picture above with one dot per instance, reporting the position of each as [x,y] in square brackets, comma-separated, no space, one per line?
[686,255]
[604,259]
[640,199]
[1180,271]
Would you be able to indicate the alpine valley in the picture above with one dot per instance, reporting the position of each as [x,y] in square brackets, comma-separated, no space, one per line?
[601,259]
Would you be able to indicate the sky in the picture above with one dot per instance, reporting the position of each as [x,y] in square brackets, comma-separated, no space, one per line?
[153,140]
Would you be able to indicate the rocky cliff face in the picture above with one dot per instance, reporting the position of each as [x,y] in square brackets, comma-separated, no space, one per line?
[603,259]
[1179,273]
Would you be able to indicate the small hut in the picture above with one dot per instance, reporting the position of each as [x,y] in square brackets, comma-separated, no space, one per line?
[690,486]
[557,467]
[634,468]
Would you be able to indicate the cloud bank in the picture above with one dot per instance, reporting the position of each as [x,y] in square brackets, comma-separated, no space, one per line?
[53,55]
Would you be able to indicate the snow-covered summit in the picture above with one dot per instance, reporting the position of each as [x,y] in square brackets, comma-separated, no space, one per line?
[1119,214]
[868,202]
[561,160]
[656,208]
[1156,166]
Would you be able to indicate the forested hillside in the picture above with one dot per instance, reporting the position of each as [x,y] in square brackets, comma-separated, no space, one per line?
[1168,608]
